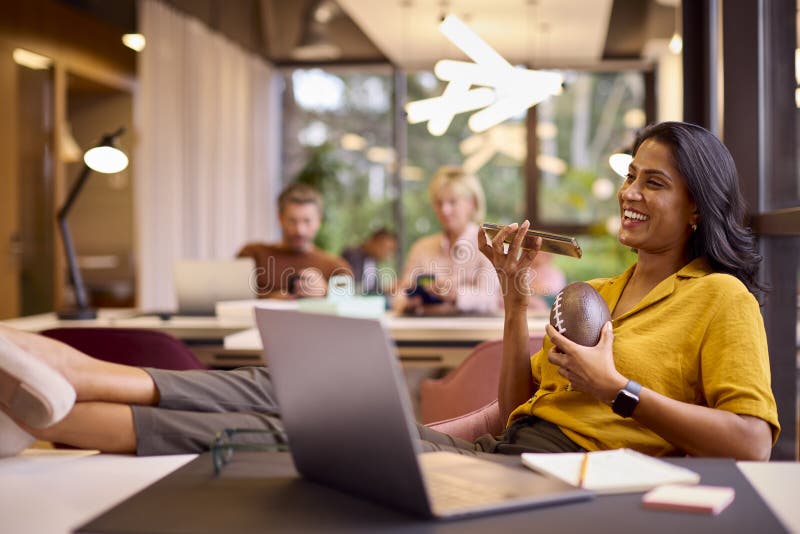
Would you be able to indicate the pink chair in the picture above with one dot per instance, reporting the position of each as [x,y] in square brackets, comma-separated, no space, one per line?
[464,403]
[129,346]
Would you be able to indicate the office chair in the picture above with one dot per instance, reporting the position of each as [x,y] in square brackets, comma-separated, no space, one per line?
[129,346]
[464,402]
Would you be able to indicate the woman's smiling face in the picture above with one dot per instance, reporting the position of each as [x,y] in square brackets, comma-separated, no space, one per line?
[656,208]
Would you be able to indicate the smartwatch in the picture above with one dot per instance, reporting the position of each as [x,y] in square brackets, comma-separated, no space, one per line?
[627,399]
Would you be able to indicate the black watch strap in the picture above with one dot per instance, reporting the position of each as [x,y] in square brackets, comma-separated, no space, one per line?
[627,399]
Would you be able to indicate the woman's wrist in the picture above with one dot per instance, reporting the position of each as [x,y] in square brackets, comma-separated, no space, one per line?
[615,385]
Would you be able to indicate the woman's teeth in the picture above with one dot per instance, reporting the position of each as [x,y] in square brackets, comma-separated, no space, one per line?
[636,216]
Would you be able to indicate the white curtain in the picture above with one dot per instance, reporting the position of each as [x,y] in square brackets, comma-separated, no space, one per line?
[207,160]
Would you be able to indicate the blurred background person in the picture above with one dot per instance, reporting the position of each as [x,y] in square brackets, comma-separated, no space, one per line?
[295,267]
[457,278]
[364,260]
[546,282]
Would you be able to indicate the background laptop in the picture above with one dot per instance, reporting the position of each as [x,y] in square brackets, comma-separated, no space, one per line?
[200,284]
[348,418]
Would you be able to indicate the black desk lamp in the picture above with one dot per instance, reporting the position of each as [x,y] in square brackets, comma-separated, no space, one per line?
[105,158]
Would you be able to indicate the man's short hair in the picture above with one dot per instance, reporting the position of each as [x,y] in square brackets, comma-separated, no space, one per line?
[298,193]
[383,232]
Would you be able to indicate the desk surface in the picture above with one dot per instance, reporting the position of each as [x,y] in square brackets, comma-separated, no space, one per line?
[182,327]
[405,329]
[52,491]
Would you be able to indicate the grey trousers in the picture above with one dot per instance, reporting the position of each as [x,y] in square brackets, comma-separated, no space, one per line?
[195,405]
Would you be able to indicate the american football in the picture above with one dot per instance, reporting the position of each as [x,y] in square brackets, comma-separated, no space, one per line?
[579,313]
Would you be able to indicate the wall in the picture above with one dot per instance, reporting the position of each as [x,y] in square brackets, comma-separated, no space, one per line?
[77,44]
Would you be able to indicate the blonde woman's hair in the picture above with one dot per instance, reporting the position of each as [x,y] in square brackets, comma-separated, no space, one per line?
[461,182]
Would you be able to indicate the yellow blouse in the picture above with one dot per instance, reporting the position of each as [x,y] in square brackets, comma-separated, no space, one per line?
[697,337]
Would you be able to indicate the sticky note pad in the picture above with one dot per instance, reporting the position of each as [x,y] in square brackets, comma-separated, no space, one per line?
[700,499]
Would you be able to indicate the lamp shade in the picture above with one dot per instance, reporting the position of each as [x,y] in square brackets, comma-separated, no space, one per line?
[619,162]
[106,159]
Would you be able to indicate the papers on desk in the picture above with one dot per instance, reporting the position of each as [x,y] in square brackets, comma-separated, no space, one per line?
[357,306]
[242,310]
[616,471]
[248,339]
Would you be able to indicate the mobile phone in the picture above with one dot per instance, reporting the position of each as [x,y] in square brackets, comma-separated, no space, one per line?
[553,243]
[422,289]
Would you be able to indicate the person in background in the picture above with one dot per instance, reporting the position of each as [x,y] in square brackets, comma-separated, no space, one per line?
[364,259]
[459,278]
[295,268]
[547,281]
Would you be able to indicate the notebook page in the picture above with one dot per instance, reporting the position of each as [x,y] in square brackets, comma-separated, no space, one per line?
[616,471]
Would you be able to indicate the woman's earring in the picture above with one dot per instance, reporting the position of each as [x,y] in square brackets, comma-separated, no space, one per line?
[694,227]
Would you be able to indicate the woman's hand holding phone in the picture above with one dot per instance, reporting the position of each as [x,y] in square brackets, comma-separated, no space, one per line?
[513,268]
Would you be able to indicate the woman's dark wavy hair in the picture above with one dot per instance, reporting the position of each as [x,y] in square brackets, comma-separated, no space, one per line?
[713,183]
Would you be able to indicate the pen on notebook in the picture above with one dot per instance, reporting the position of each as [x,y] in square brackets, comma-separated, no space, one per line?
[584,465]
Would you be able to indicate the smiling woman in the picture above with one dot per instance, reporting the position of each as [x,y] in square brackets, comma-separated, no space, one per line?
[684,361]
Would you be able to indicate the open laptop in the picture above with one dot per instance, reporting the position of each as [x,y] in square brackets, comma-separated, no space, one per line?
[200,284]
[348,419]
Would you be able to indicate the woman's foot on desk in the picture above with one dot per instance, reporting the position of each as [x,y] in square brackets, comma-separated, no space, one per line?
[30,392]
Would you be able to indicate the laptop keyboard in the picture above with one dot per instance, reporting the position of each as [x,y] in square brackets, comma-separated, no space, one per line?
[452,492]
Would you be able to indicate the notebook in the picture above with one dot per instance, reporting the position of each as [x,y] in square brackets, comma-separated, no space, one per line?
[200,284]
[615,471]
[347,415]
[698,499]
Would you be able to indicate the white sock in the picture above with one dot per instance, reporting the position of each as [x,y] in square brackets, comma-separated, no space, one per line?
[13,439]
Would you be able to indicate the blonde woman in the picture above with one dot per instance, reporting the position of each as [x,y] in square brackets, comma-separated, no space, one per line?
[456,277]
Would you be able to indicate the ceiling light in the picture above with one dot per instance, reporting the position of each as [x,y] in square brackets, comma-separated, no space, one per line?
[32,60]
[134,41]
[316,46]
[458,102]
[315,43]
[325,11]
[469,43]
[513,90]
[676,43]
[620,162]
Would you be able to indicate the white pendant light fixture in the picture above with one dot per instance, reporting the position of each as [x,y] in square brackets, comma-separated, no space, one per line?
[502,91]
[620,162]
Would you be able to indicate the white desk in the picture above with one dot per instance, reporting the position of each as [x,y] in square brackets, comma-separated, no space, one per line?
[226,342]
[53,492]
[439,341]
[186,328]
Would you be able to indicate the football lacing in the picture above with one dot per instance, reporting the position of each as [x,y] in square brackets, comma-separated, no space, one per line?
[557,314]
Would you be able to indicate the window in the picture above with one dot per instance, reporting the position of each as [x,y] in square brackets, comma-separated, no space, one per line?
[337,136]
